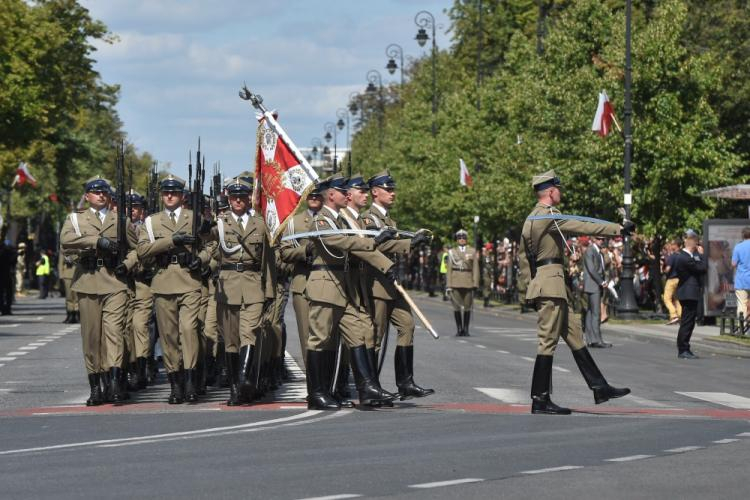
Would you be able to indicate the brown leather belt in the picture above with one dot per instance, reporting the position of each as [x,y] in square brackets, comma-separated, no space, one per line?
[549,262]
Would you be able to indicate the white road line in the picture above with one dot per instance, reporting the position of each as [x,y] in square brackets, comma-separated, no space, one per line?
[7,359]
[511,396]
[502,352]
[721,398]
[440,484]
[208,431]
[480,346]
[631,458]
[28,348]
[2,364]
[561,369]
[684,449]
[648,403]
[726,441]
[743,434]
[526,358]
[18,353]
[461,341]
[553,469]
[13,325]
[334,497]
[38,344]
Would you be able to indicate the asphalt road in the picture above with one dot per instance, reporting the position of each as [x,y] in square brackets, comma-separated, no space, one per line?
[685,431]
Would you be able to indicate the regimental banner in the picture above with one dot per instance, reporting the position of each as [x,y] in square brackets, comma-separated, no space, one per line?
[282,180]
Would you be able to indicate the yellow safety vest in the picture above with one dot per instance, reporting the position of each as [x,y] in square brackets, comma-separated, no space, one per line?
[444,264]
[43,270]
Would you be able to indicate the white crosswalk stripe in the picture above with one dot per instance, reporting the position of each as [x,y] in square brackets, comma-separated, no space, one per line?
[720,398]
[512,396]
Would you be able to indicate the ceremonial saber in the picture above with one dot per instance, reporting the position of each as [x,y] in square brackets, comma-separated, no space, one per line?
[383,347]
[330,232]
[416,310]
[337,365]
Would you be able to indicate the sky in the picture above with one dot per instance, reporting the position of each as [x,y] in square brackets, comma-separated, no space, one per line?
[181,64]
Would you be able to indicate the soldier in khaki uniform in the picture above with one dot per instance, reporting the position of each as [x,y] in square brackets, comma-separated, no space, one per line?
[388,304]
[275,370]
[220,376]
[100,281]
[176,287]
[462,279]
[245,288]
[67,266]
[299,253]
[332,307]
[541,265]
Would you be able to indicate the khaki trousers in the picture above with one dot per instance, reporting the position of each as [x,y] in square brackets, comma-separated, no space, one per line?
[302,314]
[71,301]
[102,326]
[670,300]
[128,335]
[177,318]
[462,299]
[211,324]
[277,319]
[328,320]
[240,325]
[141,306]
[741,303]
[557,319]
[397,312]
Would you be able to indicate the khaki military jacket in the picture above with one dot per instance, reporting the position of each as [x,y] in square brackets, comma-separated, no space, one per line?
[463,268]
[362,263]
[374,219]
[327,281]
[80,233]
[293,251]
[173,278]
[250,249]
[66,264]
[543,239]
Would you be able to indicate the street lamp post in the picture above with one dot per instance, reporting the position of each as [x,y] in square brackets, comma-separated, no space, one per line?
[331,132]
[628,306]
[343,119]
[317,146]
[425,20]
[355,104]
[393,51]
[373,77]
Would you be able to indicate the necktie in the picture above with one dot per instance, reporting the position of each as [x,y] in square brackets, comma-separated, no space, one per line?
[241,221]
[101,216]
[173,218]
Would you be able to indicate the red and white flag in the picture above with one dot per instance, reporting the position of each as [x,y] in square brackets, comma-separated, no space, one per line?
[604,115]
[23,175]
[282,175]
[464,176]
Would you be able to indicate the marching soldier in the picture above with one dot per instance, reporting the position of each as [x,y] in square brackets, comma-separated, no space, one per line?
[245,288]
[100,281]
[142,302]
[219,376]
[541,262]
[388,304]
[176,287]
[67,266]
[332,310]
[299,253]
[462,280]
[488,273]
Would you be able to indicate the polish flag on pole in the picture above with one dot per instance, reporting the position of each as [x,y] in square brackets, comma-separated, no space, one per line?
[464,176]
[23,175]
[604,115]
[282,174]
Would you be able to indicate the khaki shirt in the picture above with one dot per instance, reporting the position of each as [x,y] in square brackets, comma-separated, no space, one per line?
[327,281]
[374,219]
[546,241]
[102,280]
[251,249]
[463,268]
[173,278]
[293,251]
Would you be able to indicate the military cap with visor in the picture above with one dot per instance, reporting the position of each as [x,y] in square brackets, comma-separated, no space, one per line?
[462,234]
[382,180]
[546,180]
[172,184]
[97,184]
[135,198]
[338,182]
[357,181]
[239,187]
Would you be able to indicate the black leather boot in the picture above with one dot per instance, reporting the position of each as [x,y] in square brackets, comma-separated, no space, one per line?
[116,393]
[191,385]
[341,391]
[467,319]
[222,375]
[404,364]
[134,383]
[603,392]
[370,392]
[68,316]
[246,381]
[124,382]
[232,362]
[318,395]
[372,358]
[210,364]
[152,370]
[140,364]
[487,301]
[104,387]
[76,317]
[459,324]
[540,388]
[175,395]
[95,399]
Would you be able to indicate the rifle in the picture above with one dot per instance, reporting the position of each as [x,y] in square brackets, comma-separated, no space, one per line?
[130,191]
[153,189]
[122,238]
[196,195]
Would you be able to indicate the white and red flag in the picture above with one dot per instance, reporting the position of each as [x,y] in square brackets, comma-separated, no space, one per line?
[604,115]
[464,176]
[23,175]
[283,177]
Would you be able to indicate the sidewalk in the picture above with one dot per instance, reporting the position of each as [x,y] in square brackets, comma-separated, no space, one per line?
[704,339]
